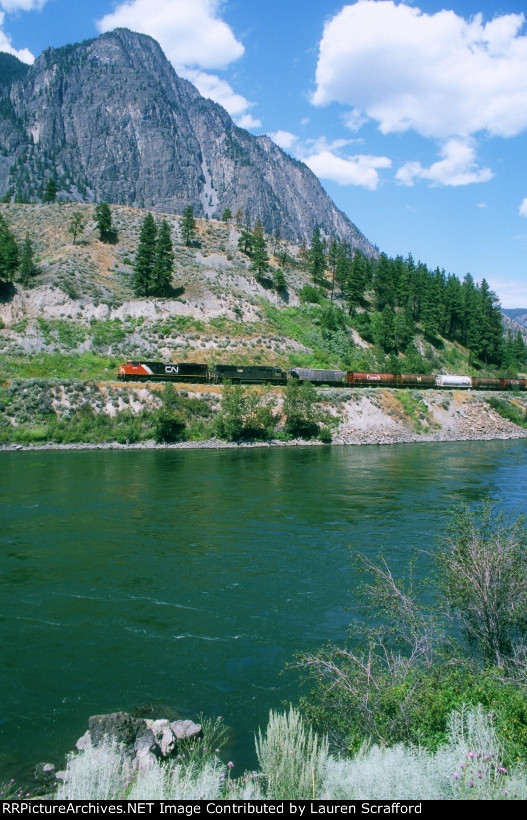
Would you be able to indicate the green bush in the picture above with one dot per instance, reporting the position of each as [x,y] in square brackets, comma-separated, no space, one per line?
[168,426]
[245,416]
[301,416]
[402,673]
[309,293]
[508,410]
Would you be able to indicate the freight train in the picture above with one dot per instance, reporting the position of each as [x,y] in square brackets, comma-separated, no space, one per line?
[267,374]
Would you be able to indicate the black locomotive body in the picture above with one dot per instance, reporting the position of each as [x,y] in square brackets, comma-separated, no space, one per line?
[247,374]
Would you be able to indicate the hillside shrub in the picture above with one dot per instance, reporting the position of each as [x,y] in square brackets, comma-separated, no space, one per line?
[309,293]
[508,410]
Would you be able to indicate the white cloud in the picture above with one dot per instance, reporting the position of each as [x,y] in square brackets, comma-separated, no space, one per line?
[457,167]
[523,208]
[437,74]
[247,121]
[22,5]
[285,139]
[193,38]
[354,119]
[5,45]
[189,31]
[326,161]
[355,170]
[213,87]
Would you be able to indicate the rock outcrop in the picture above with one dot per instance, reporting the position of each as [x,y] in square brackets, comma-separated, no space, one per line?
[111,120]
[142,740]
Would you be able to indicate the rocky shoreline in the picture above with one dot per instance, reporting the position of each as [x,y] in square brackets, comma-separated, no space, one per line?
[373,419]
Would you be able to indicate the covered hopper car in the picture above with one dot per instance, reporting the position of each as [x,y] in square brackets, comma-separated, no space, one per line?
[331,377]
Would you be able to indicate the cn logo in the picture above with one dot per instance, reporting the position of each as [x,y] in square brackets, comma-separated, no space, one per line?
[171,368]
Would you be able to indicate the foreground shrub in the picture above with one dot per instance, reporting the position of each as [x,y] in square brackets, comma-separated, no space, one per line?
[295,765]
[402,672]
[469,766]
[291,757]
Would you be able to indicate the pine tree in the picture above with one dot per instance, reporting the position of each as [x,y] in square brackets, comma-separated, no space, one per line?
[519,350]
[28,268]
[103,219]
[50,191]
[164,261]
[403,330]
[316,256]
[355,281]
[9,255]
[491,325]
[260,260]
[333,258]
[226,215]
[76,225]
[245,242]
[188,225]
[384,329]
[145,258]
[383,283]
[279,281]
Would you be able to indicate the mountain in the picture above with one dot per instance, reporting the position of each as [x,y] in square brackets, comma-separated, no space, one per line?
[111,120]
[518,317]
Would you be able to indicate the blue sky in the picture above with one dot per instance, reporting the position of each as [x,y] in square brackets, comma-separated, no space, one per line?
[413,116]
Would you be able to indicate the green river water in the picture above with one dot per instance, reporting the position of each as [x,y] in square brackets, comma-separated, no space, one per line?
[187,579]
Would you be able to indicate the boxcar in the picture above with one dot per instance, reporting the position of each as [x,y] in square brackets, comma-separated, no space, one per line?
[248,374]
[356,379]
[331,377]
[163,371]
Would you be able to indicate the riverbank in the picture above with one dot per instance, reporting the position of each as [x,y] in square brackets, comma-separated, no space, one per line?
[364,418]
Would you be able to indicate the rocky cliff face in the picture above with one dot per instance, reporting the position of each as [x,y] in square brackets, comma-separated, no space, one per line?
[516,318]
[111,121]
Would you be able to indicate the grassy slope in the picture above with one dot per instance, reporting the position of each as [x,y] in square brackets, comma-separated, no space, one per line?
[80,317]
[79,320]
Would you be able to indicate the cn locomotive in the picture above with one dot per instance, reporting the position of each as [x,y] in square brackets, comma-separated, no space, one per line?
[267,374]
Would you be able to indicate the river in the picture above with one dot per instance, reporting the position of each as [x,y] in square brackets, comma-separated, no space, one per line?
[187,580]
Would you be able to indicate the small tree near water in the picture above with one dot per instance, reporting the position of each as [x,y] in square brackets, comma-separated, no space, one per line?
[483,577]
[301,417]
[169,423]
[245,416]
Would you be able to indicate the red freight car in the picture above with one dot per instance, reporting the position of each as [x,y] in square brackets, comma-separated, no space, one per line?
[356,379]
